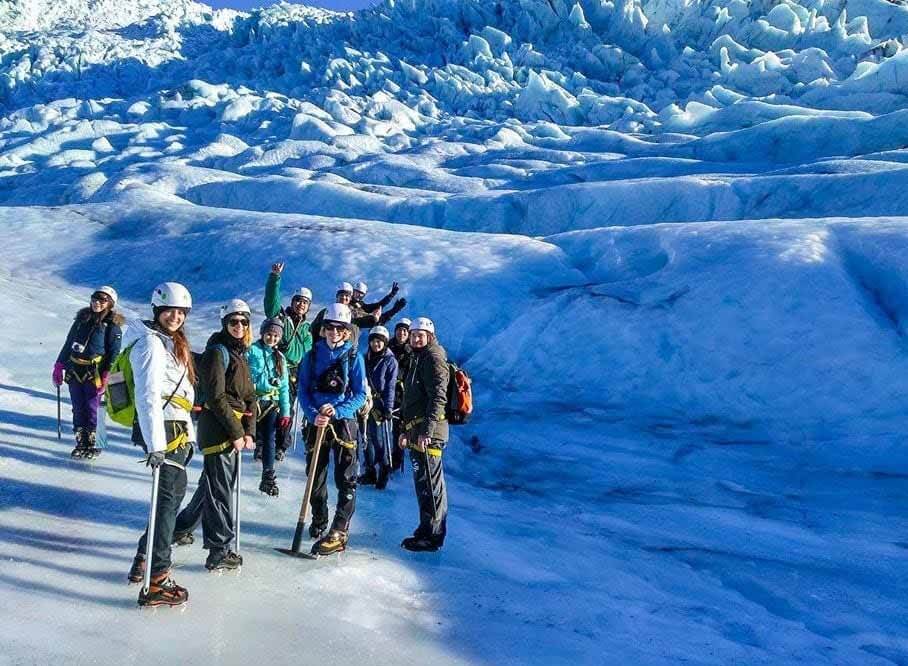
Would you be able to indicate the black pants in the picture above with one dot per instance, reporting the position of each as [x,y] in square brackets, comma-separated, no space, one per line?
[265,433]
[346,469]
[431,491]
[171,490]
[285,435]
[212,503]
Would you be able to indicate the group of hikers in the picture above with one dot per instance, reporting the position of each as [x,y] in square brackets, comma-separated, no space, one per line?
[298,377]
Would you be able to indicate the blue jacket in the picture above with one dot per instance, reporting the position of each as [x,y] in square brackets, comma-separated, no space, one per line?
[316,361]
[382,372]
[98,339]
[263,368]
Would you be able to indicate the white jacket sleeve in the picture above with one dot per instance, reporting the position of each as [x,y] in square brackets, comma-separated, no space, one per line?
[149,366]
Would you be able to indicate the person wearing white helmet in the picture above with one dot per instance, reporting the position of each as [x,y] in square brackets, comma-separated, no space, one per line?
[400,347]
[381,371]
[296,340]
[425,433]
[332,389]
[84,361]
[163,375]
[360,307]
[358,318]
[226,427]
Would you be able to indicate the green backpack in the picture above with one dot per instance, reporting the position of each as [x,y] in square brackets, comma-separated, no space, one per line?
[120,394]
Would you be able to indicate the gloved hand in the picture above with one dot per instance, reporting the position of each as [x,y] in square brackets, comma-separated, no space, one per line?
[58,374]
[283,422]
[394,288]
[386,415]
[155,459]
[400,304]
[103,383]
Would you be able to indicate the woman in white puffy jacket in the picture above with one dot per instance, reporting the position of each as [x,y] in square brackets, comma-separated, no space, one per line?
[164,375]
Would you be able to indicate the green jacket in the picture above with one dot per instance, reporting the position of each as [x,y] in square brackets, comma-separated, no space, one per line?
[297,338]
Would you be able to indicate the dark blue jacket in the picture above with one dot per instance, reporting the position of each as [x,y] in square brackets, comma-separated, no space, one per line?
[316,361]
[382,372]
[98,339]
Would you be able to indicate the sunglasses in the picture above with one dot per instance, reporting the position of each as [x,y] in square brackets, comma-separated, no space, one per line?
[100,298]
[238,321]
[334,327]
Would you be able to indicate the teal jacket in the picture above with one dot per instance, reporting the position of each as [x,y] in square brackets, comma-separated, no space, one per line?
[297,338]
[263,368]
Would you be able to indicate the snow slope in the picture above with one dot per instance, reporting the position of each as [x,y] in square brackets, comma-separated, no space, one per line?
[668,238]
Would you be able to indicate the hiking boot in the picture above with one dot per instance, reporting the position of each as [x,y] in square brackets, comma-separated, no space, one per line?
[316,530]
[163,591]
[269,483]
[419,544]
[219,560]
[183,539]
[334,542]
[82,446]
[137,570]
[279,455]
[92,451]
[367,478]
[384,473]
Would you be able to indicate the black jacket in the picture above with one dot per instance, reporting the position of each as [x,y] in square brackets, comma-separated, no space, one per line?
[426,391]
[225,391]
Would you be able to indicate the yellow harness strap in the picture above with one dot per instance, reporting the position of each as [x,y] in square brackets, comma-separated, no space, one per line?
[81,361]
[223,446]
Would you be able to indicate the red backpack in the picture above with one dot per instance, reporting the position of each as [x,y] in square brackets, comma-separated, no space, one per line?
[460,396]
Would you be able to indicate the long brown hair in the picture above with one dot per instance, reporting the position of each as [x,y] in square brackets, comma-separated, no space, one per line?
[183,352]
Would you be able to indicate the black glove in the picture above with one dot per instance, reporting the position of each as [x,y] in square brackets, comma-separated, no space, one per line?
[395,288]
[386,415]
[400,304]
[155,459]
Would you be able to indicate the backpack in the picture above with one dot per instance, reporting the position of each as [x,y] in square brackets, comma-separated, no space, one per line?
[459,406]
[120,392]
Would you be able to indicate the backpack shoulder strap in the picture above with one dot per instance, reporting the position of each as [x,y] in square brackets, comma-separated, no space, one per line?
[225,355]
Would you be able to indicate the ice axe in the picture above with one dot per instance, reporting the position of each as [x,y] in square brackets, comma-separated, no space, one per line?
[294,549]
[59,416]
[149,533]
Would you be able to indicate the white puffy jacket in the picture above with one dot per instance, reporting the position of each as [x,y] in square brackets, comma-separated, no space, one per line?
[157,373]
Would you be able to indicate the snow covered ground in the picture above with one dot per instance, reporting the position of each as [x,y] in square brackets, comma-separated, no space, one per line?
[668,239]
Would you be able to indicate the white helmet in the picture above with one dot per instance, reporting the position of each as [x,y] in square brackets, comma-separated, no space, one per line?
[361,287]
[345,287]
[235,306]
[423,324]
[404,322]
[303,293]
[379,331]
[171,295]
[338,313]
[108,291]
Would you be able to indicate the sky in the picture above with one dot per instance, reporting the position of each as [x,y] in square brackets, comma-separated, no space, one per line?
[341,5]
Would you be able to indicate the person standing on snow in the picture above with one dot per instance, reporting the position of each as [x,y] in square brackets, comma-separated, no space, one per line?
[358,318]
[164,375]
[92,344]
[226,425]
[332,388]
[400,347]
[359,307]
[381,371]
[425,433]
[272,387]
[296,340]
